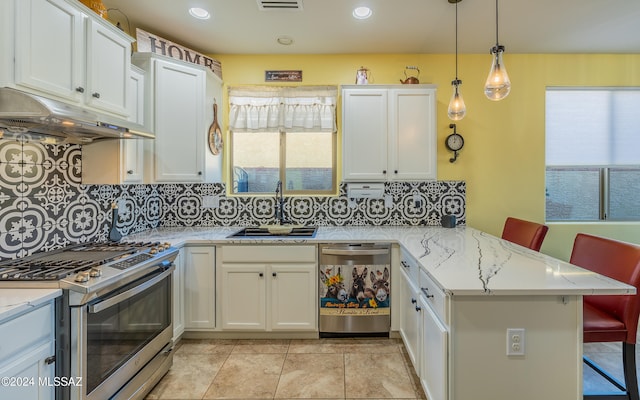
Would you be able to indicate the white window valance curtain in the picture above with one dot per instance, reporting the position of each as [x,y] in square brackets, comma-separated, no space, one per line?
[274,109]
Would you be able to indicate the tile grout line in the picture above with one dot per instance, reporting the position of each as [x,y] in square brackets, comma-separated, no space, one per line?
[218,371]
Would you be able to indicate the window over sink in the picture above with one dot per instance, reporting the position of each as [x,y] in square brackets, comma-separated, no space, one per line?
[283,134]
[592,158]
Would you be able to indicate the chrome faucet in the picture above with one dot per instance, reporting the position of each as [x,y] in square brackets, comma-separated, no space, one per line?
[280,215]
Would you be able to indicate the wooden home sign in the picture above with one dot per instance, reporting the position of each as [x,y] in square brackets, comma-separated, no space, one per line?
[150,43]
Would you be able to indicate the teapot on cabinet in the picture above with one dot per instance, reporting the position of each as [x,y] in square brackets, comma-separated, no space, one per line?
[411,80]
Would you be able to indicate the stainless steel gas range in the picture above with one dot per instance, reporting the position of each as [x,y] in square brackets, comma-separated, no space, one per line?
[114,320]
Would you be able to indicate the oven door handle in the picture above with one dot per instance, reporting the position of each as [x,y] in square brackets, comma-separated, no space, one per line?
[354,252]
[112,301]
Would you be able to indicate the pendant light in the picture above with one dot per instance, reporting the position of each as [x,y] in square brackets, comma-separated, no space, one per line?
[457,108]
[498,85]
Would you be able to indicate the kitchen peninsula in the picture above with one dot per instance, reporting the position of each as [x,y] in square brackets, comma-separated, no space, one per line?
[468,288]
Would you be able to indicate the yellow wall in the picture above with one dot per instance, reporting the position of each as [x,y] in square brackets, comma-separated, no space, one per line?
[503,158]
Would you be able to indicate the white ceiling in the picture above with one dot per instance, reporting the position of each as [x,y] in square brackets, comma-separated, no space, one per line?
[397,26]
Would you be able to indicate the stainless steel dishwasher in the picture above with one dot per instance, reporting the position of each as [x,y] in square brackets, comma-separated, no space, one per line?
[355,283]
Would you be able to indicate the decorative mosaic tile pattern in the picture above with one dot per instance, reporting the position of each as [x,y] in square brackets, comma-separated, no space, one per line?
[44,206]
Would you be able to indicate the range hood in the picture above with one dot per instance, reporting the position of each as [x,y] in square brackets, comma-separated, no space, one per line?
[53,121]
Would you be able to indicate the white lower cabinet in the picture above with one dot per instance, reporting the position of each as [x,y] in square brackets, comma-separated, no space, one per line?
[268,288]
[410,319]
[243,288]
[27,365]
[199,288]
[434,363]
[178,296]
[423,327]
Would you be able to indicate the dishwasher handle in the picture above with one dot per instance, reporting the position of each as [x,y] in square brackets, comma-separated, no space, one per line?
[354,252]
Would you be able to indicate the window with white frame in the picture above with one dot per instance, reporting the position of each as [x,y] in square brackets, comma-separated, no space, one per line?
[285,134]
[592,154]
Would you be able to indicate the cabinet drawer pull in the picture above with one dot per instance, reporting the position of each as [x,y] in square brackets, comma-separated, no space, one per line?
[405,264]
[80,89]
[96,95]
[130,172]
[50,360]
[426,292]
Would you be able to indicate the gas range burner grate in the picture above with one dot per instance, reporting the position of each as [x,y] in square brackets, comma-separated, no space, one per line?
[58,264]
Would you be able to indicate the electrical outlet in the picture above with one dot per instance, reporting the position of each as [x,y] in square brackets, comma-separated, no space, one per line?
[388,201]
[210,201]
[417,200]
[515,342]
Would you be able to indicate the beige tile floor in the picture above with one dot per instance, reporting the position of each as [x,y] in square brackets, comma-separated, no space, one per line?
[609,357]
[290,369]
[318,369]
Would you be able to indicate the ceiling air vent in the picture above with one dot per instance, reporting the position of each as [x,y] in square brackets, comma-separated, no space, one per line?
[266,5]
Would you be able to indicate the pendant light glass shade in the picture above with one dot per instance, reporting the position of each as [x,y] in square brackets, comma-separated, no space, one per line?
[457,108]
[498,85]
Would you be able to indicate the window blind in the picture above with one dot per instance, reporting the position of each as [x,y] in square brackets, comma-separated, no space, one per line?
[594,127]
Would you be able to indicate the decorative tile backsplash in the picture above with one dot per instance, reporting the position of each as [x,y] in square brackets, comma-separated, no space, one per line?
[44,206]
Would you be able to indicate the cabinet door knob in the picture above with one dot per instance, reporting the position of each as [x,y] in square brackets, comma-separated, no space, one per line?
[274,274]
[414,301]
[261,274]
[96,95]
[199,172]
[418,308]
[384,171]
[395,172]
[130,172]
[50,360]
[80,89]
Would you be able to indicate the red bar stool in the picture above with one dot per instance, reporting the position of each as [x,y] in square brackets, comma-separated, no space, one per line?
[611,318]
[525,233]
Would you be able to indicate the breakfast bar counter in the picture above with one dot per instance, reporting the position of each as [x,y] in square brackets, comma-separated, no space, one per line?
[462,260]
[481,318]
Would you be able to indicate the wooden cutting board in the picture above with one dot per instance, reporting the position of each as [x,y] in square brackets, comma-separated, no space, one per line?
[215,134]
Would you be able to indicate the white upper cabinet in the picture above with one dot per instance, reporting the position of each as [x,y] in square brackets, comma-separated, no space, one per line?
[108,61]
[116,162]
[62,49]
[178,109]
[389,132]
[364,134]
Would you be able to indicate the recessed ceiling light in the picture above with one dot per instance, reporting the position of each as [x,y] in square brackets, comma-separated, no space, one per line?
[199,13]
[362,12]
[285,40]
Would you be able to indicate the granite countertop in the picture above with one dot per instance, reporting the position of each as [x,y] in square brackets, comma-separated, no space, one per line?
[16,301]
[462,260]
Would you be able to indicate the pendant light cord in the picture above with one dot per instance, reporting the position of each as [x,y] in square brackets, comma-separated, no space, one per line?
[497,43]
[457,40]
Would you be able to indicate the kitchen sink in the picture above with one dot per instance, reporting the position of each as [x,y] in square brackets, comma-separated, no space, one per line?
[276,231]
